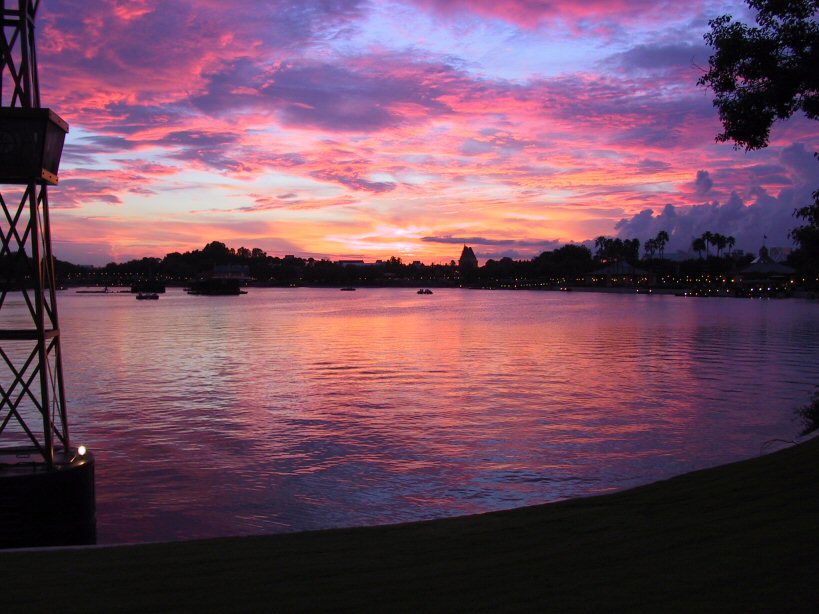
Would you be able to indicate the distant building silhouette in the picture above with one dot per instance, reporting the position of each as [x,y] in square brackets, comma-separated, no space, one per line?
[231,271]
[764,277]
[765,267]
[619,273]
[468,260]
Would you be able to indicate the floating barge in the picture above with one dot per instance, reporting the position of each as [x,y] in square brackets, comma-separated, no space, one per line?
[217,286]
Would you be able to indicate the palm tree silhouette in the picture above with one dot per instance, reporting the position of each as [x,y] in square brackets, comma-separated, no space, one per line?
[699,246]
[720,241]
[708,237]
[730,241]
[661,239]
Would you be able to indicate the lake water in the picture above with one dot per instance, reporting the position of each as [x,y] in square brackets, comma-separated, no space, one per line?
[293,409]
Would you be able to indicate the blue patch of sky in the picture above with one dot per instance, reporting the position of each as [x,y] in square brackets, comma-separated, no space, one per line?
[486,48]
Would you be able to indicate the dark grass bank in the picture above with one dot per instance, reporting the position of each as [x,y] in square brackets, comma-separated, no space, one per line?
[743,537]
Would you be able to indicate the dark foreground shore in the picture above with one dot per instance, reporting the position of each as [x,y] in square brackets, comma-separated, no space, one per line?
[743,537]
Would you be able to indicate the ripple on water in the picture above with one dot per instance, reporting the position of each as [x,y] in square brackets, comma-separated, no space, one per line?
[290,409]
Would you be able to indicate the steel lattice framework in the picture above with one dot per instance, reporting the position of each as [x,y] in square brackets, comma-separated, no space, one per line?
[32,399]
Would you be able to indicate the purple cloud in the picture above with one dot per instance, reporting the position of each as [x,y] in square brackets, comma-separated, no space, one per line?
[661,57]
[365,95]
[747,219]
[649,166]
[768,215]
[352,179]
[703,183]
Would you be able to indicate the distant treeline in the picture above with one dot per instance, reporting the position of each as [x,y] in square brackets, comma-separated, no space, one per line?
[568,264]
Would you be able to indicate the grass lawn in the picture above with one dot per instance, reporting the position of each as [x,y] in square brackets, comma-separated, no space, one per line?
[742,537]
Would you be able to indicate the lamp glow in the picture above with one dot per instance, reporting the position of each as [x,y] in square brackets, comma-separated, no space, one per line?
[82,450]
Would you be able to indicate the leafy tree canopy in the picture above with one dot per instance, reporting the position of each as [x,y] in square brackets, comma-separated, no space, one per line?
[807,236]
[764,73]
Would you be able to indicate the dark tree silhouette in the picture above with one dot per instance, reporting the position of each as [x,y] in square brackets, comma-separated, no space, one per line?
[566,260]
[661,239]
[631,249]
[650,247]
[807,236]
[764,73]
[720,241]
[600,246]
[699,245]
[616,249]
[730,241]
[708,237]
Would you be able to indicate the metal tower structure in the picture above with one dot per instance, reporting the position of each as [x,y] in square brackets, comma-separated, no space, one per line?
[46,486]
[32,399]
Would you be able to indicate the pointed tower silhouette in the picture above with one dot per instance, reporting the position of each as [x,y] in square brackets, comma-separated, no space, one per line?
[468,260]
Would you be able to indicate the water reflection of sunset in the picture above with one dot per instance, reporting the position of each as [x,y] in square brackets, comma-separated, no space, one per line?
[324,408]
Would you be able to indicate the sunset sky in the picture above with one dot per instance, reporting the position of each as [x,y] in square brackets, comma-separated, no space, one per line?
[369,129]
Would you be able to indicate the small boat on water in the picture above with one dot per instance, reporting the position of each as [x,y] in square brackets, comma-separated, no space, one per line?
[424,291]
[348,289]
[147,296]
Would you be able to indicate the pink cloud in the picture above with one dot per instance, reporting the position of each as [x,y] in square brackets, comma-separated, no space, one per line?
[282,96]
[293,202]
